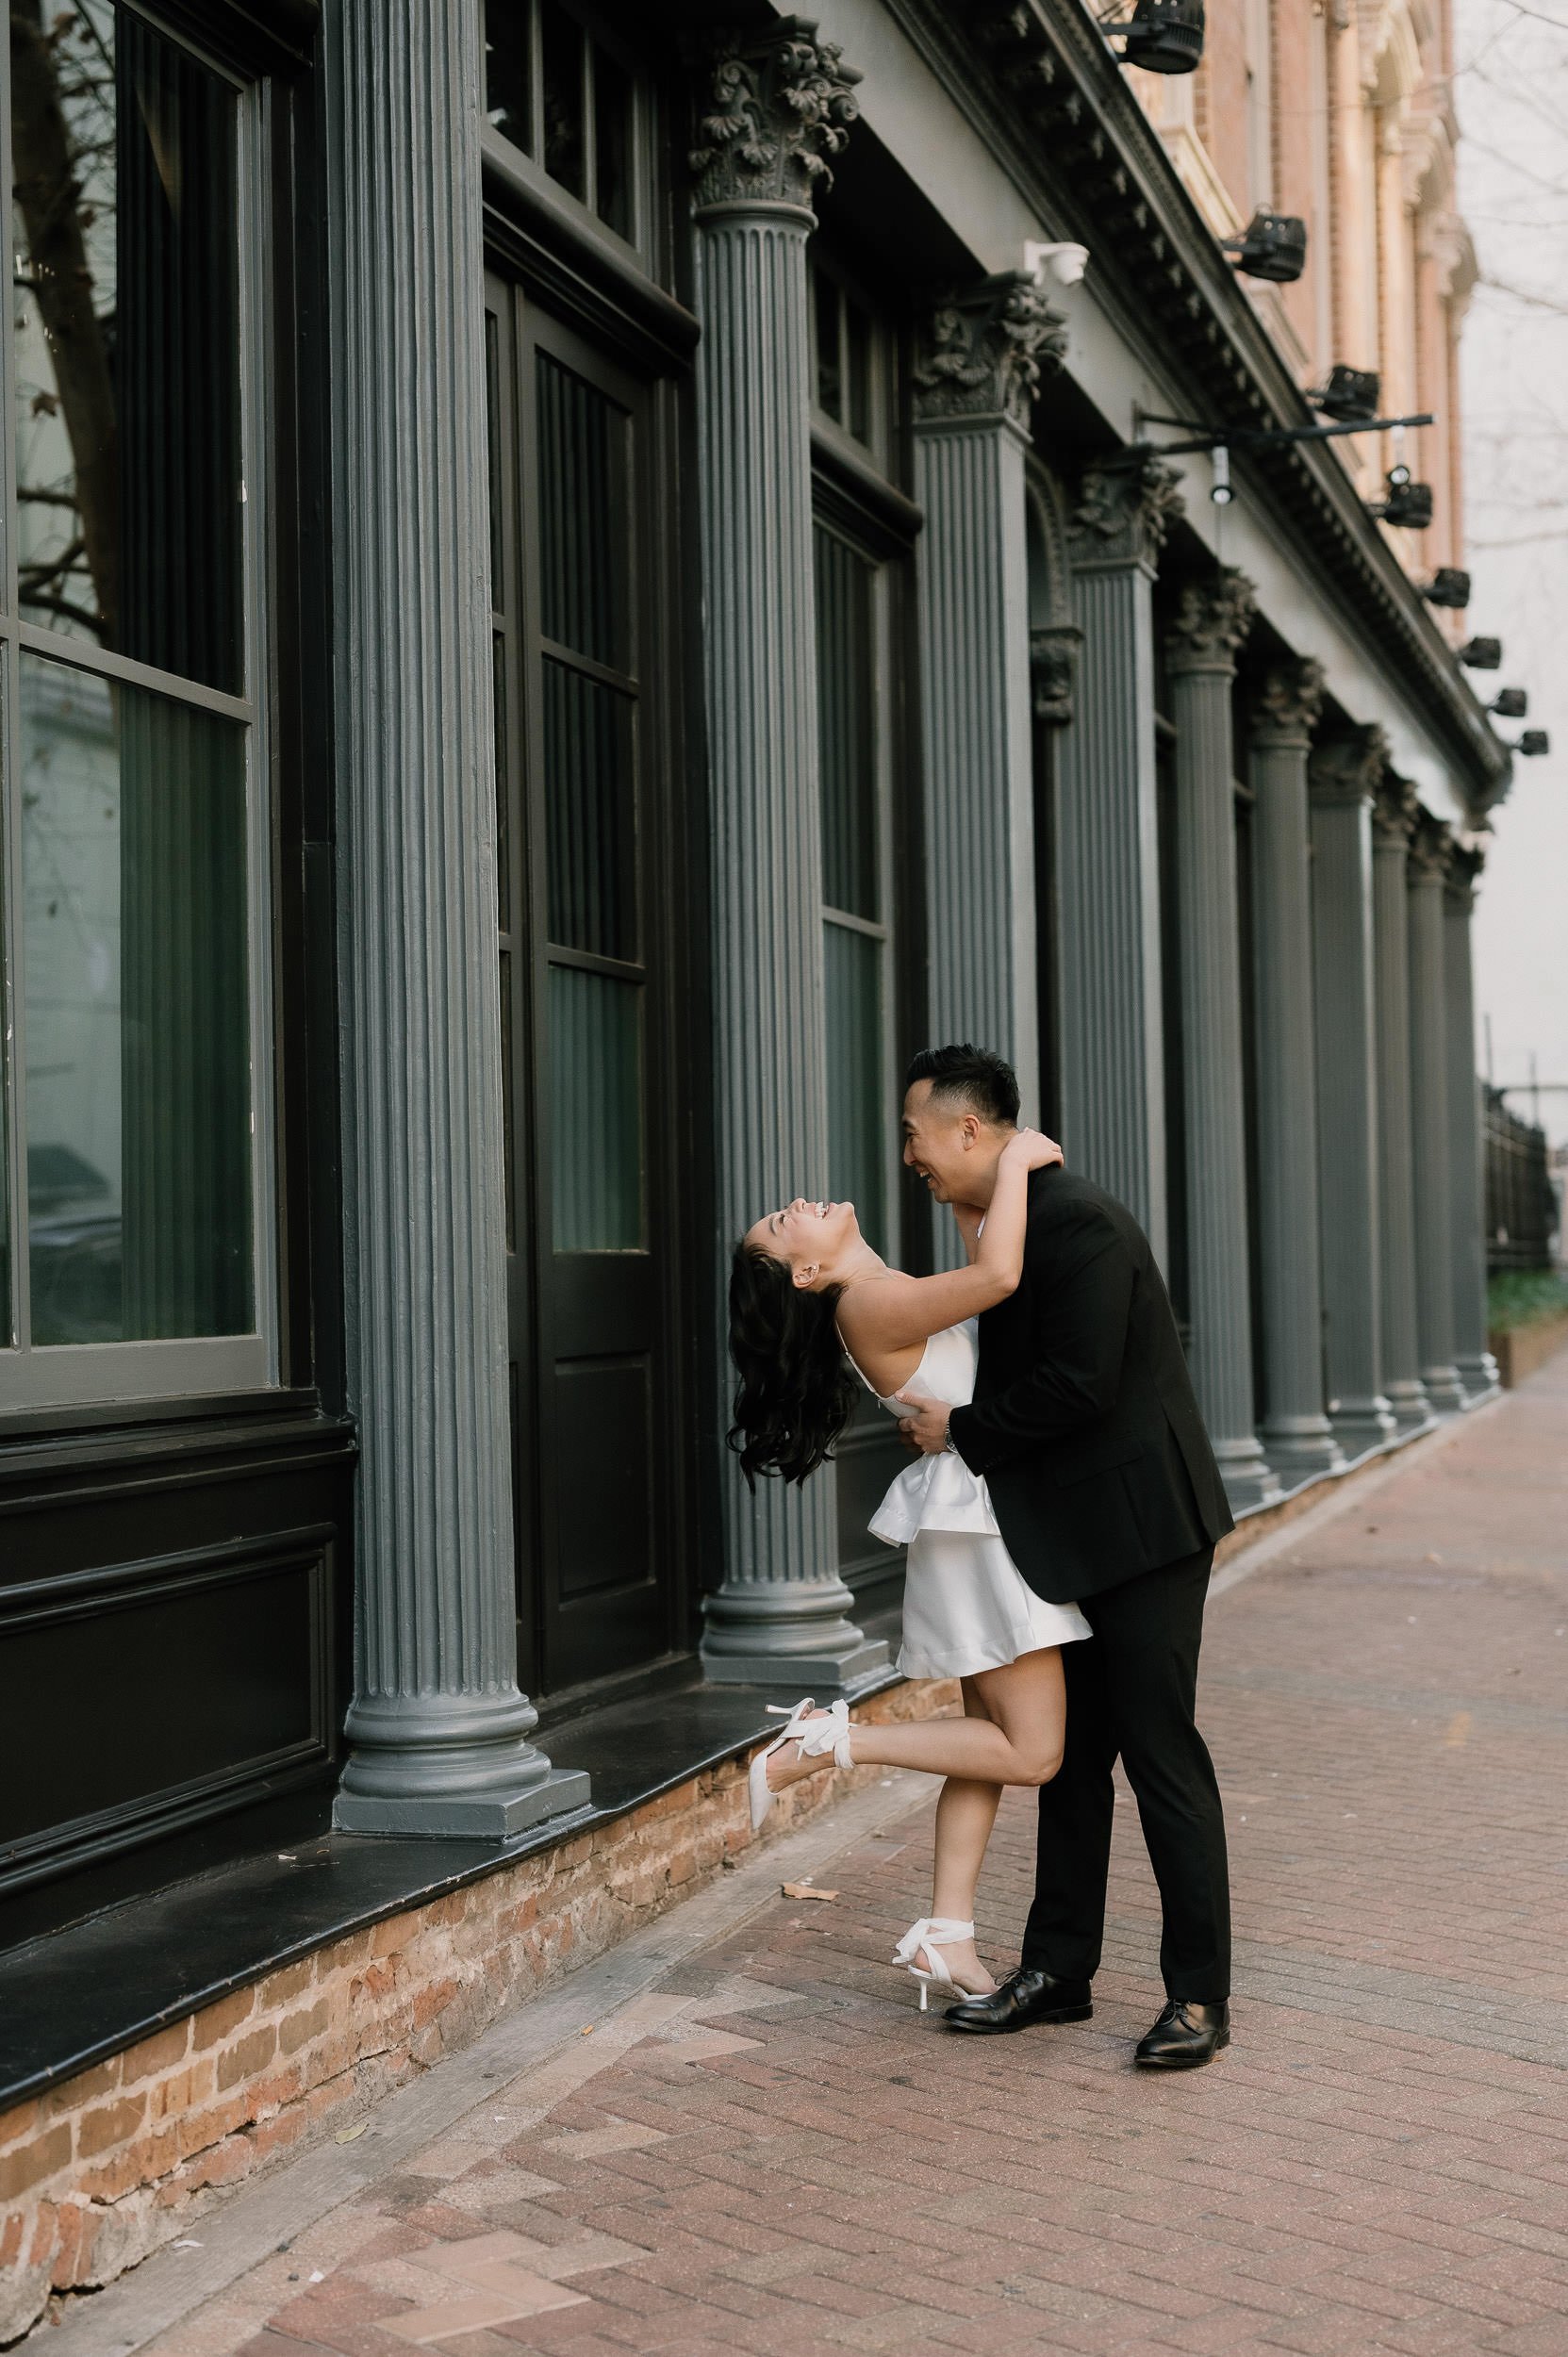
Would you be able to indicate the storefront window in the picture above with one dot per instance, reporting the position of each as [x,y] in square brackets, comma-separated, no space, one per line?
[130,1104]
[564,98]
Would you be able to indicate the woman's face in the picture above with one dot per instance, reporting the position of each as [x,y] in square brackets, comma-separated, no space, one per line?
[809,1238]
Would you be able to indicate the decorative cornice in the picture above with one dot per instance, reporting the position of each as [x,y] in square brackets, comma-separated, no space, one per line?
[1394,813]
[777,106]
[1431,842]
[1289,703]
[1349,768]
[1123,514]
[1212,619]
[1054,651]
[1039,86]
[984,349]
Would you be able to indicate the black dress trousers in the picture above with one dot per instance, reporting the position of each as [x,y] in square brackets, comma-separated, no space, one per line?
[1132,1691]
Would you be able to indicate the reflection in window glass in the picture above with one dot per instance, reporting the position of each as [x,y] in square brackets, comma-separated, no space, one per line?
[126,378]
[561,86]
[612,144]
[857,361]
[135,997]
[829,366]
[596,1119]
[846,689]
[591,814]
[857,1101]
[509,97]
[582,524]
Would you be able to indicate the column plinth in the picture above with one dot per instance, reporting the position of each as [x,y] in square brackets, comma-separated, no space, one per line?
[1213,619]
[1297,1436]
[1394,819]
[437,1728]
[777,109]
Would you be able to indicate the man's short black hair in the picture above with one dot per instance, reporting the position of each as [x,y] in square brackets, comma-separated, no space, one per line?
[971,1077]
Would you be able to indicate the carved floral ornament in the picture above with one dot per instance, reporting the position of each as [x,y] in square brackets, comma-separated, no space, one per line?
[1466,858]
[1125,513]
[1349,768]
[985,349]
[1432,842]
[1394,813]
[1054,651]
[1290,702]
[778,107]
[1212,619]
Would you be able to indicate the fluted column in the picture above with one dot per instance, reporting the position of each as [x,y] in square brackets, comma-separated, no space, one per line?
[1430,1137]
[1344,776]
[775,109]
[1478,1368]
[1213,619]
[1297,1434]
[438,1730]
[1393,822]
[976,373]
[1108,848]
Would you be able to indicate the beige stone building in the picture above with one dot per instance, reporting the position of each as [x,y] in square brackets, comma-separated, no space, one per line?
[1340,112]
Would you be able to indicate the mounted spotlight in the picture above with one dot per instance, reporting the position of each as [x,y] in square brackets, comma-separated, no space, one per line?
[1510,703]
[1448,587]
[1482,654]
[1351,394]
[1533,741]
[1272,246]
[1406,504]
[1162,36]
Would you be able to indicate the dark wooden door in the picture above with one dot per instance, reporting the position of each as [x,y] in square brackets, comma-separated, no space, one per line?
[585,995]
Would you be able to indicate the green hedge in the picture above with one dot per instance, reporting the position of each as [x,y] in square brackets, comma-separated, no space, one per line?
[1521,1295]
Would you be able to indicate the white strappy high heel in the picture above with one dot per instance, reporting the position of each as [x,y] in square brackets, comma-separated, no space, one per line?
[928,1938]
[816,1733]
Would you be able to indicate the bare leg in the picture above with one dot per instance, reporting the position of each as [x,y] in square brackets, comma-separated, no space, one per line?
[966,1812]
[1018,1741]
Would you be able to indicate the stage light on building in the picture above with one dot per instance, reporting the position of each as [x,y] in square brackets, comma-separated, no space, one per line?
[1534,742]
[1510,703]
[1162,36]
[1405,504]
[1482,654]
[1272,246]
[1351,395]
[1448,587]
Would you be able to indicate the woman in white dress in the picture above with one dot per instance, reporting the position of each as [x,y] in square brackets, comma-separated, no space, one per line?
[814,1311]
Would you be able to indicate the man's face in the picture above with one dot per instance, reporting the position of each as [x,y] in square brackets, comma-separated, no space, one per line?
[939,1141]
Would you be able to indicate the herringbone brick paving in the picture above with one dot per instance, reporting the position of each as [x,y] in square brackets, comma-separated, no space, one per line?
[775,2152]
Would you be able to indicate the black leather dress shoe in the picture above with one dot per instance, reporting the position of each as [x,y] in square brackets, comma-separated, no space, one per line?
[1023,1999]
[1186,2035]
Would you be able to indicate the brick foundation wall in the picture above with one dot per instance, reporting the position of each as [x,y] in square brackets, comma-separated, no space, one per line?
[108,2165]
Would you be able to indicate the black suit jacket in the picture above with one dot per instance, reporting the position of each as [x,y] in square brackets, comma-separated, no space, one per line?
[1084,1421]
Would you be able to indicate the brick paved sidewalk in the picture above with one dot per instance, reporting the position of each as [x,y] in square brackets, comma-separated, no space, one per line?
[770,2151]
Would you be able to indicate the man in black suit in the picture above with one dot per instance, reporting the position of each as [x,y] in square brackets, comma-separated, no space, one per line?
[1086,1429]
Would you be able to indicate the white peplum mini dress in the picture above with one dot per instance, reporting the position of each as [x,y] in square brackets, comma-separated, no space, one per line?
[966,1605]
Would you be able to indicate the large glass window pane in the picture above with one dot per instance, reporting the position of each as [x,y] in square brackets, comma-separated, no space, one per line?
[135,1008]
[128,343]
[561,48]
[612,142]
[583,551]
[508,99]
[590,815]
[596,1119]
[846,724]
[857,1112]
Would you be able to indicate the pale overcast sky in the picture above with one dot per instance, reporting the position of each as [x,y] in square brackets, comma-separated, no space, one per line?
[1511,84]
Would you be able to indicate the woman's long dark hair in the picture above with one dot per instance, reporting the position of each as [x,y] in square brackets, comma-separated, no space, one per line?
[796,1390]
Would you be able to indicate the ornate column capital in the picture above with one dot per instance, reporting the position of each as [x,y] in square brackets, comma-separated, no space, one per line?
[1054,651]
[1349,768]
[1394,812]
[777,106]
[1466,858]
[1431,842]
[1212,619]
[1123,514]
[984,350]
[1289,703]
